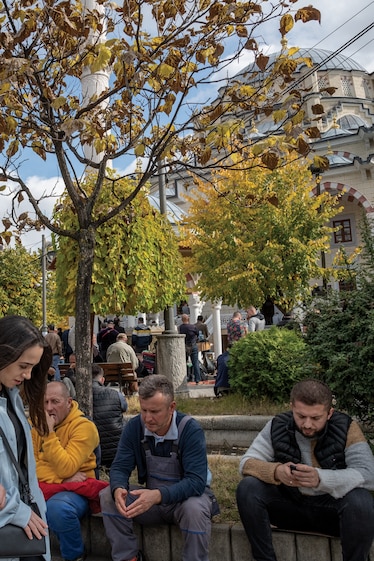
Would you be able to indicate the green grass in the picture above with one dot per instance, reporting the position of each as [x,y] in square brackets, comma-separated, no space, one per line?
[233,404]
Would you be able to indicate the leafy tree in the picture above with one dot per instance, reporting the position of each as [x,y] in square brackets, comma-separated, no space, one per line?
[340,337]
[266,364]
[137,263]
[258,232]
[60,103]
[20,283]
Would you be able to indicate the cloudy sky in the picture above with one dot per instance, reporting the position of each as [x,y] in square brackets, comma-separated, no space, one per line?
[341,21]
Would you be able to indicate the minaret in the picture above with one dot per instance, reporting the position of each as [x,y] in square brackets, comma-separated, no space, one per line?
[94,83]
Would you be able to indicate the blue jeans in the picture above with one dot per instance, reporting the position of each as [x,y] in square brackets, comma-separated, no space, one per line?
[261,504]
[193,352]
[55,363]
[64,513]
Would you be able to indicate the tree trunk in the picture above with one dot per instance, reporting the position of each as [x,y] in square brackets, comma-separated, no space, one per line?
[83,335]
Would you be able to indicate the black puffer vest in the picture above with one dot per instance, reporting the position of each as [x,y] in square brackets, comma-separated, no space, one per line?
[108,417]
[330,446]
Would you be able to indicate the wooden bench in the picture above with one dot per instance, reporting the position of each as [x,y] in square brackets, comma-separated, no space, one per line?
[64,368]
[121,373]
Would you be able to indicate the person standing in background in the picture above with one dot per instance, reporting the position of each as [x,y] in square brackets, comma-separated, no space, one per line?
[236,328]
[191,333]
[55,343]
[141,337]
[255,319]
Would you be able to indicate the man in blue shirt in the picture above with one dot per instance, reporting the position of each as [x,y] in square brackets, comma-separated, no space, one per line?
[169,451]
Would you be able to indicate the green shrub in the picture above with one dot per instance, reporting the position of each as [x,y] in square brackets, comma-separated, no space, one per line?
[266,364]
[340,342]
[340,336]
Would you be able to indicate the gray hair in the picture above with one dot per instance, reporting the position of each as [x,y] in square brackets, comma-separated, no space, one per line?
[155,383]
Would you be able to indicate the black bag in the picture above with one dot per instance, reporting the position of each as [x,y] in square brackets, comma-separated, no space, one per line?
[13,539]
[15,543]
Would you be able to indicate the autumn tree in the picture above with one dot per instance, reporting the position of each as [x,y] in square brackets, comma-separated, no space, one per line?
[95,84]
[258,233]
[137,263]
[20,283]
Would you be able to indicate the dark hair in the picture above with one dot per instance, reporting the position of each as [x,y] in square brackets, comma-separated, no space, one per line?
[18,334]
[199,318]
[96,370]
[312,392]
[156,383]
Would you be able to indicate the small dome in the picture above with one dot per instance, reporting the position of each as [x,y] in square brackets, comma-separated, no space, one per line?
[334,132]
[338,160]
[351,122]
[174,213]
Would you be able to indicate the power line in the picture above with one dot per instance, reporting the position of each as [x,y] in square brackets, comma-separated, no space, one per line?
[343,24]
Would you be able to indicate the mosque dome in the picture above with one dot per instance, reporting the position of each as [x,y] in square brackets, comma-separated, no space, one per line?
[325,60]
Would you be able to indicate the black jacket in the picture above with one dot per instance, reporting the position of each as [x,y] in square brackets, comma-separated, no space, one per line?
[108,417]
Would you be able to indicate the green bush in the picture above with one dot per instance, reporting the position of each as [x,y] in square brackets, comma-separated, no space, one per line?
[340,336]
[340,342]
[266,364]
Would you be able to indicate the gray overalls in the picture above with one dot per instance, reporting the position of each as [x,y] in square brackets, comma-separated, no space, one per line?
[193,516]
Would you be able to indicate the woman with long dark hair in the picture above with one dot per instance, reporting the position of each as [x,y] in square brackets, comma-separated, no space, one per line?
[25,357]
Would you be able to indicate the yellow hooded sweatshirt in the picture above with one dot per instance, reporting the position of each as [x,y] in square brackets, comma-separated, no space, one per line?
[66,450]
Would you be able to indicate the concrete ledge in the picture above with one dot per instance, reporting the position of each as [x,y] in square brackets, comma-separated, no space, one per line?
[229,430]
[228,543]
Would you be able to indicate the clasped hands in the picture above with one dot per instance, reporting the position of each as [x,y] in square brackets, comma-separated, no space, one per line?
[144,499]
[302,476]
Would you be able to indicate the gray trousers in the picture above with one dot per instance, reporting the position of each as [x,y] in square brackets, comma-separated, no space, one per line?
[193,516]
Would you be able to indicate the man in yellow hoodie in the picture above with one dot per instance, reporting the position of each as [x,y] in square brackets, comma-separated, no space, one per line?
[66,457]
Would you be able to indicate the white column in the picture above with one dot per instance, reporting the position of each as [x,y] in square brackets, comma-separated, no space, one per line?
[195,307]
[217,333]
[94,83]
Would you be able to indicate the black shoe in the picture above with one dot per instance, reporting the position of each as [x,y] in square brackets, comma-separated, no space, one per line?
[140,556]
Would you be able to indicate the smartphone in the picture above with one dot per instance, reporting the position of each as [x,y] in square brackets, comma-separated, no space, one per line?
[293,468]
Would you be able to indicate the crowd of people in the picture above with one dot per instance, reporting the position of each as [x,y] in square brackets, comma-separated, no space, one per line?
[309,469]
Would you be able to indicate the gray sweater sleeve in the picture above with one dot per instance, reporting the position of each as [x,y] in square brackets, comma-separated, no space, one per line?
[360,467]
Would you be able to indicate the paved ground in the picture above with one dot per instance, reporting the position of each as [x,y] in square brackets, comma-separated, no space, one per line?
[201,390]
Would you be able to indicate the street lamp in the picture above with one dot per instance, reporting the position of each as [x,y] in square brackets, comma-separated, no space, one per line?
[168,312]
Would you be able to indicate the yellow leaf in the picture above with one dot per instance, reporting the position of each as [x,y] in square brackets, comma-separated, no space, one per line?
[12,148]
[165,70]
[286,24]
[102,60]
[279,115]
[139,150]
[58,102]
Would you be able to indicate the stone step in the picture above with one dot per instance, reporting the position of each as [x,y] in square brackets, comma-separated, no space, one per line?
[228,543]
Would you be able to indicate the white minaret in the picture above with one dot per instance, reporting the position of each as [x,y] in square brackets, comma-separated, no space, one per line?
[94,83]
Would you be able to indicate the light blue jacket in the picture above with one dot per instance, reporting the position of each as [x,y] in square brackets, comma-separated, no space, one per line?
[16,511]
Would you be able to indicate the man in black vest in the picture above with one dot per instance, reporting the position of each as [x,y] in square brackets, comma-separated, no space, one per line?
[311,470]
